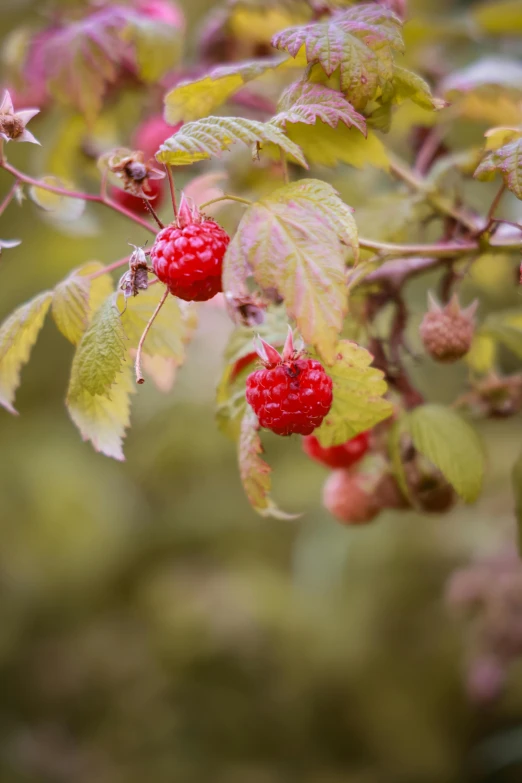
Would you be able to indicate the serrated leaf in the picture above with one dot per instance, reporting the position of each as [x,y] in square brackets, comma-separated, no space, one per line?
[307,102]
[409,85]
[101,351]
[254,471]
[77,298]
[358,390]
[328,146]
[103,418]
[202,139]
[195,99]
[359,41]
[172,328]
[66,209]
[500,17]
[452,445]
[292,242]
[499,137]
[507,161]
[18,334]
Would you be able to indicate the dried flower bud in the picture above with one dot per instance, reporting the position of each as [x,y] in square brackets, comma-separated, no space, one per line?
[136,279]
[12,124]
[447,332]
[133,170]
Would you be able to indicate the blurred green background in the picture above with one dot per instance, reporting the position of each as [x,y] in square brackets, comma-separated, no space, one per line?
[152,627]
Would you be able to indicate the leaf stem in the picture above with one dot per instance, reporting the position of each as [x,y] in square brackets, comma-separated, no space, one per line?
[226,197]
[440,203]
[139,375]
[9,197]
[170,178]
[152,211]
[95,199]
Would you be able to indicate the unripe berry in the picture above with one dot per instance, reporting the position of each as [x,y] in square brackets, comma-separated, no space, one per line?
[188,255]
[290,394]
[447,332]
[348,498]
[343,456]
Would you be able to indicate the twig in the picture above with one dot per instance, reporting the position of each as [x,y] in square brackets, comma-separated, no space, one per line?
[493,208]
[95,199]
[428,151]
[170,178]
[439,249]
[152,211]
[139,376]
[9,197]
[109,268]
[226,197]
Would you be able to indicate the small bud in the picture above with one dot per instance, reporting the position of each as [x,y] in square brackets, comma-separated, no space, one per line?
[447,332]
[12,124]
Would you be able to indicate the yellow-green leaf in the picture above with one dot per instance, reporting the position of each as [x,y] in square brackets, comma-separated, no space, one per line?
[211,136]
[409,85]
[195,99]
[329,146]
[293,242]
[78,297]
[506,160]
[158,47]
[103,418]
[499,137]
[254,471]
[499,17]
[358,390]
[64,208]
[481,356]
[452,445]
[305,102]
[18,334]
[101,351]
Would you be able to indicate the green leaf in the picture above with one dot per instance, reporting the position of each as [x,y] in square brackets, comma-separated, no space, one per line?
[395,454]
[273,329]
[254,471]
[77,298]
[158,46]
[358,390]
[202,139]
[409,85]
[452,445]
[327,146]
[292,242]
[102,418]
[231,401]
[195,99]
[506,160]
[499,17]
[508,334]
[101,351]
[359,42]
[516,479]
[66,209]
[18,334]
[305,102]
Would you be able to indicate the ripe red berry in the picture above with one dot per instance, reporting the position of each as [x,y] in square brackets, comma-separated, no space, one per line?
[128,200]
[290,394]
[343,456]
[151,134]
[188,255]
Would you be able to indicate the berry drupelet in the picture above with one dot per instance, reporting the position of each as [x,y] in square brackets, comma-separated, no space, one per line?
[290,394]
[188,255]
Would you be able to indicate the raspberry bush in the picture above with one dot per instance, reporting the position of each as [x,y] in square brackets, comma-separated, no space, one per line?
[324,341]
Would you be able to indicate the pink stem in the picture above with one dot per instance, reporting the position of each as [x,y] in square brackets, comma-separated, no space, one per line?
[9,197]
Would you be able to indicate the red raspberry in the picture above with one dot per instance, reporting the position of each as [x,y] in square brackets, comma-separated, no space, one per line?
[290,394]
[151,134]
[135,203]
[188,255]
[343,456]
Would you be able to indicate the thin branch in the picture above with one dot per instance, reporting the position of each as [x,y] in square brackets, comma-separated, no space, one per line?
[493,208]
[170,178]
[440,203]
[226,197]
[152,211]
[107,202]
[9,197]
[139,375]
[109,268]
[428,150]
[439,249]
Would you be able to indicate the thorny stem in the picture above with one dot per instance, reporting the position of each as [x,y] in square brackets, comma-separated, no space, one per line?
[441,204]
[95,199]
[226,197]
[9,197]
[172,189]
[139,375]
[152,211]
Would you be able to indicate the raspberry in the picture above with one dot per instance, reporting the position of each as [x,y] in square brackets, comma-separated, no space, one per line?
[447,332]
[151,134]
[348,500]
[290,394]
[188,255]
[343,456]
[135,203]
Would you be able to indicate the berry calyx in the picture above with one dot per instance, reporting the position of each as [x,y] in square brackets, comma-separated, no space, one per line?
[343,456]
[290,394]
[188,255]
[447,332]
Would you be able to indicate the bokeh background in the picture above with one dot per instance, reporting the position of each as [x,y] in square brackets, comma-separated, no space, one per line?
[152,627]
